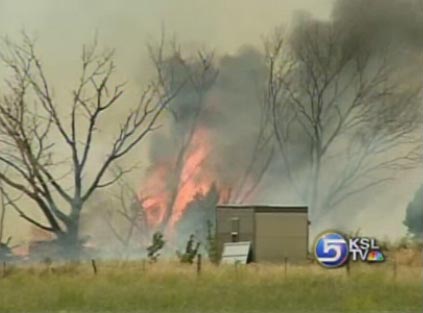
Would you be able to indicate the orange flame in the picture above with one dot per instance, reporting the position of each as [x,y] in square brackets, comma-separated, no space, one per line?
[196,179]
[156,200]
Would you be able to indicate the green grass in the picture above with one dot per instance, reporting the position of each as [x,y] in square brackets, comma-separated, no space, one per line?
[171,287]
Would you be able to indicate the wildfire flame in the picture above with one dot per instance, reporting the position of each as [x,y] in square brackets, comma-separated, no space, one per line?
[195,179]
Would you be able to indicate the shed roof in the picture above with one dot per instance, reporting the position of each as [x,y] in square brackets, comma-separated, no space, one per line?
[265,208]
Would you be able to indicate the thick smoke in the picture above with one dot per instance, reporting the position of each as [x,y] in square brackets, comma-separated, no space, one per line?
[232,116]
[381,31]
[216,110]
[388,31]
[382,22]
[231,113]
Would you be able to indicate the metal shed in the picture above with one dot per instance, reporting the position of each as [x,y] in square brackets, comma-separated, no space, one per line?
[275,232]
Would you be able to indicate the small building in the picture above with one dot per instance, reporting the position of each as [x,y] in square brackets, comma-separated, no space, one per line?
[276,233]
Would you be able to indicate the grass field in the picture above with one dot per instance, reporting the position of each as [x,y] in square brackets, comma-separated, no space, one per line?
[173,287]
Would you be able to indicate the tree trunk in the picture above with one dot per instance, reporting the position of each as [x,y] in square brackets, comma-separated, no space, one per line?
[69,241]
[315,180]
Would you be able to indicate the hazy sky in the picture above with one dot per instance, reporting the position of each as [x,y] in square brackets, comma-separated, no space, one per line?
[224,25]
[62,26]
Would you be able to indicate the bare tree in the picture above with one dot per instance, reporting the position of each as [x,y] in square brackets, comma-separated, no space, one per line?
[34,126]
[5,245]
[199,73]
[262,155]
[202,75]
[341,118]
[189,115]
[3,205]
[126,219]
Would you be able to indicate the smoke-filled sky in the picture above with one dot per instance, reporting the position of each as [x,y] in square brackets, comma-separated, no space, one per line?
[226,26]
[63,26]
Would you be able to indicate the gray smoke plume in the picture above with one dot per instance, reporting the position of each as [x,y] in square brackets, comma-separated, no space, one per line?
[375,30]
[231,113]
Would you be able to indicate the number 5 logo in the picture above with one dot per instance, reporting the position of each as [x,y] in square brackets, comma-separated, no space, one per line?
[331,249]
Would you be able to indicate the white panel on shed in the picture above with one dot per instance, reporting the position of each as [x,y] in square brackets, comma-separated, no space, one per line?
[236,252]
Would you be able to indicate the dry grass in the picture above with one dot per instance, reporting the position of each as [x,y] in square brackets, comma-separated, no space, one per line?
[136,286]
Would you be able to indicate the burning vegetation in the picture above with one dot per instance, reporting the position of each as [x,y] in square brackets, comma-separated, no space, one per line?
[322,114]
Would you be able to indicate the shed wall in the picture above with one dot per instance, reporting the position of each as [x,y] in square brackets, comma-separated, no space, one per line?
[224,225]
[281,235]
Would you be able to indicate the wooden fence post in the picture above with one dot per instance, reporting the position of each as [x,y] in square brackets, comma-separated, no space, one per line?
[199,261]
[143,265]
[348,268]
[236,264]
[4,268]
[94,266]
[395,268]
[285,266]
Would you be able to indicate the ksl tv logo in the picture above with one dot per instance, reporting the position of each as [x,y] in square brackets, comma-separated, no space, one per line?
[333,249]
